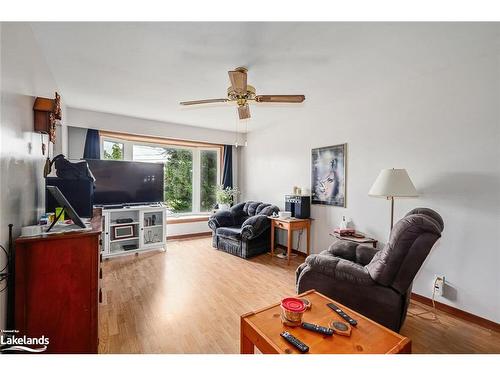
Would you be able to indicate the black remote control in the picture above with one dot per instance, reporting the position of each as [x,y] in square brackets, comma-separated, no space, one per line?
[317,328]
[303,348]
[339,311]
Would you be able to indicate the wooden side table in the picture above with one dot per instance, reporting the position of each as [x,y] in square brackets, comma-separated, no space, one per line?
[364,240]
[290,225]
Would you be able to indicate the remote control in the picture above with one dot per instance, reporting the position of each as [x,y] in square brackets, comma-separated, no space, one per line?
[317,328]
[339,311]
[303,348]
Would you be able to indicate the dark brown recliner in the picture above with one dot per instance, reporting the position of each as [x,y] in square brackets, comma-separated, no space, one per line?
[375,283]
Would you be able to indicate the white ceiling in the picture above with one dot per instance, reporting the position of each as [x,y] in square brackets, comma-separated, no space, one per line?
[144,69]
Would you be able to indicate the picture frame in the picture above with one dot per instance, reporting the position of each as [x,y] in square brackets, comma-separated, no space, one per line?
[328,175]
[123,231]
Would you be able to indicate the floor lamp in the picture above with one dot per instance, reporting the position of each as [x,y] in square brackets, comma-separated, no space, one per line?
[393,183]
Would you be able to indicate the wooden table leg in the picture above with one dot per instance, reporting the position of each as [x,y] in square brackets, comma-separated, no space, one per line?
[246,346]
[272,238]
[308,229]
[289,244]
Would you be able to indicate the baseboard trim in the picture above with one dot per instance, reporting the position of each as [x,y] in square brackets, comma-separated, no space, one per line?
[458,313]
[189,236]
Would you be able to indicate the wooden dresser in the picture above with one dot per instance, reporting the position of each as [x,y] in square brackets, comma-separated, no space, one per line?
[57,288]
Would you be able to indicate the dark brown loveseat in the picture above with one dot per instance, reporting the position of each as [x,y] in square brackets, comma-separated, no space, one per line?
[244,229]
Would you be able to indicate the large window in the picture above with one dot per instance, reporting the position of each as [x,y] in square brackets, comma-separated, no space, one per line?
[208,180]
[178,193]
[191,173]
[112,150]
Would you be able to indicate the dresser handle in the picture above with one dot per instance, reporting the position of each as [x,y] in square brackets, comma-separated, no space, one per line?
[100,295]
[100,273]
[100,257]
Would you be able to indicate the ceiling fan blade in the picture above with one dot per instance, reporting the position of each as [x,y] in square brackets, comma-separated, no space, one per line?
[204,101]
[244,111]
[238,80]
[280,98]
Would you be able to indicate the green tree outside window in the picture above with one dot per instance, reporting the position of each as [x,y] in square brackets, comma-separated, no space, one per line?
[113,150]
[178,179]
[208,179]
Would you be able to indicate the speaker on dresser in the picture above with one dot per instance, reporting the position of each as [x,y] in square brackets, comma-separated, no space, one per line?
[298,205]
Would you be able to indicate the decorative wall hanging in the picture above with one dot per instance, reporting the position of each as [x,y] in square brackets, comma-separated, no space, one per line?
[46,112]
[328,175]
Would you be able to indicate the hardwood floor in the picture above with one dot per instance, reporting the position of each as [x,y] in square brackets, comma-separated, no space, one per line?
[189,300]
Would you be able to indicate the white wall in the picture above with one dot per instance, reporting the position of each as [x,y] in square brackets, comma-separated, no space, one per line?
[187,228]
[76,142]
[24,75]
[132,125]
[441,123]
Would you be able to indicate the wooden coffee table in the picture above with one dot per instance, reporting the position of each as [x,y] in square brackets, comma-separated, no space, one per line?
[262,329]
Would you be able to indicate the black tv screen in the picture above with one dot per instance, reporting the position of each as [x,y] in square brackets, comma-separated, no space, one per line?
[124,182]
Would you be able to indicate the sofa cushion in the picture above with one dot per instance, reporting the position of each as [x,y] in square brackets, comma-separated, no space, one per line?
[221,219]
[267,209]
[339,269]
[251,207]
[254,226]
[239,214]
[229,232]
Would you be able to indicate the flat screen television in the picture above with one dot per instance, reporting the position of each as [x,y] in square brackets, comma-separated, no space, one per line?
[126,182]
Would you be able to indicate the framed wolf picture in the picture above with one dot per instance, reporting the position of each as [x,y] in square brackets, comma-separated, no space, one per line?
[328,174]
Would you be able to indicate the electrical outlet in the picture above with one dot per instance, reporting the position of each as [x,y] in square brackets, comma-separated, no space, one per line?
[439,285]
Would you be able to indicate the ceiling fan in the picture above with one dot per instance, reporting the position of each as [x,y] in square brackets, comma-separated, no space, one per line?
[241,93]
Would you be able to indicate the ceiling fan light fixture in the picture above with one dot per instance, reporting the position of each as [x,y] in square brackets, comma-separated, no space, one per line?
[240,92]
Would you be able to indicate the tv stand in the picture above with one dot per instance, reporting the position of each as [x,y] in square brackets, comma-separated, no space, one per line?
[146,231]
[113,206]
[129,205]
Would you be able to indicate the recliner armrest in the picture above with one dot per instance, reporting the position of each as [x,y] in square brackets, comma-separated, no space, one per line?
[254,226]
[339,269]
[349,250]
[221,219]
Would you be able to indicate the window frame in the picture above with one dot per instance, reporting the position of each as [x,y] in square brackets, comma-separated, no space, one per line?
[196,149]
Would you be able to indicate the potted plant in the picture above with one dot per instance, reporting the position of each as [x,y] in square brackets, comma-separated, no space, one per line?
[226,196]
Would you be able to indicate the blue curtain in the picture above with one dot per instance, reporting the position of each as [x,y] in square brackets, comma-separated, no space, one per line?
[227,173]
[92,145]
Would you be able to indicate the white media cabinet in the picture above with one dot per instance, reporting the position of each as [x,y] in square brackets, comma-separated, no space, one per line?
[146,231]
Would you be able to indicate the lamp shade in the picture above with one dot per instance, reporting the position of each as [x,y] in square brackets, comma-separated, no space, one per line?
[393,183]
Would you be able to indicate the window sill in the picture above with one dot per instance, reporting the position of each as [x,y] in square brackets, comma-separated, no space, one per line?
[188,219]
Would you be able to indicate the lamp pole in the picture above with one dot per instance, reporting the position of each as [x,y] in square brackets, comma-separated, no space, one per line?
[392,211]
